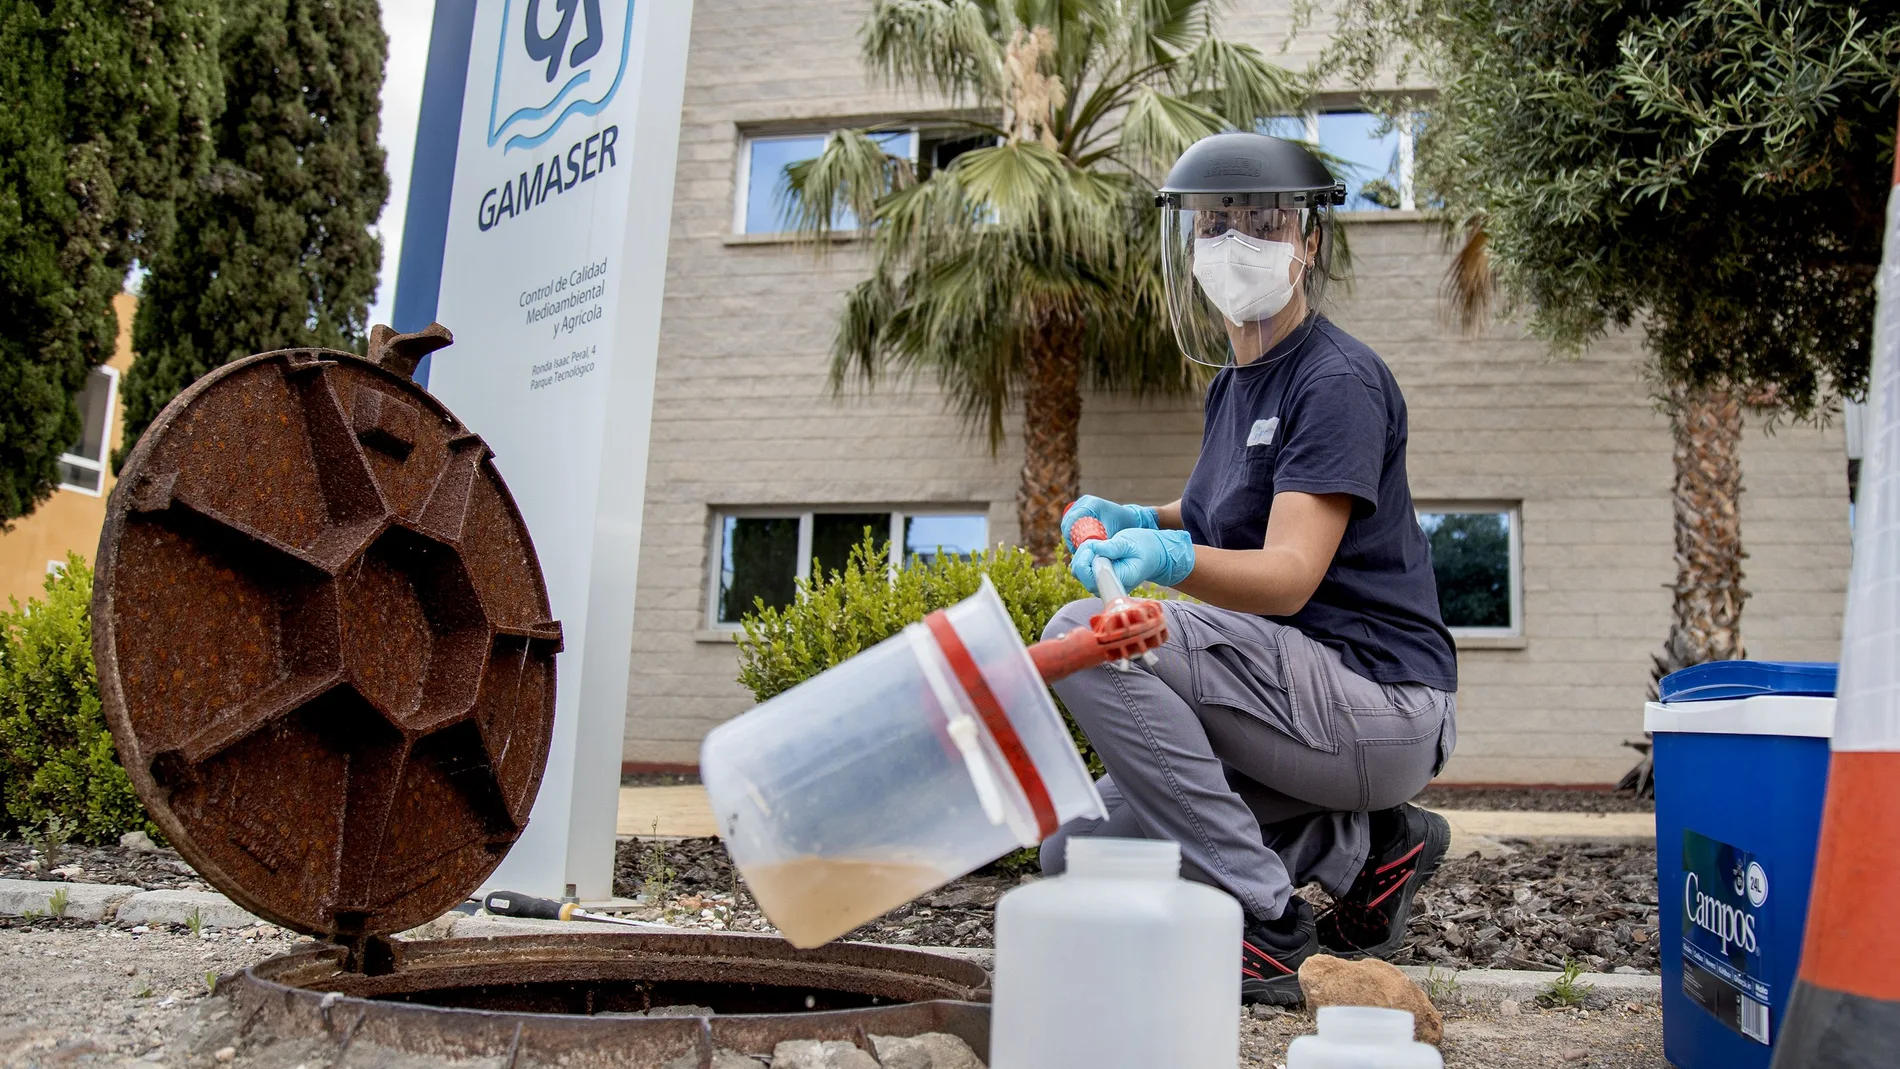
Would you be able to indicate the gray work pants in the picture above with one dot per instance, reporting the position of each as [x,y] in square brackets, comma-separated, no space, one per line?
[1253,747]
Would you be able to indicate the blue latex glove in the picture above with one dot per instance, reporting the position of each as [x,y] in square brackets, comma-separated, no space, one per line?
[1140,556]
[1117,518]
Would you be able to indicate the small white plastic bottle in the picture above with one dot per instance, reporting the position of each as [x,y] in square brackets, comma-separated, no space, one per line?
[1361,1037]
[1119,963]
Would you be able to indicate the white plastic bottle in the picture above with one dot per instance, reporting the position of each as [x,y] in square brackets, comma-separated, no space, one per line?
[1118,963]
[1360,1037]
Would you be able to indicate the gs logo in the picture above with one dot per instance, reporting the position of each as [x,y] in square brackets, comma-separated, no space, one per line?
[549,47]
[556,59]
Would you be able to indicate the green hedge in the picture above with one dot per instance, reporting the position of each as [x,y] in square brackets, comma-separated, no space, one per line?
[57,761]
[838,615]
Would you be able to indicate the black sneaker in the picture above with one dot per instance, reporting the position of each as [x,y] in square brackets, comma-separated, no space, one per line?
[1408,844]
[1271,953]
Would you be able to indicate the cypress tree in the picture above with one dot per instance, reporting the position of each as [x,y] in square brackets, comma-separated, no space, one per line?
[273,248]
[106,109]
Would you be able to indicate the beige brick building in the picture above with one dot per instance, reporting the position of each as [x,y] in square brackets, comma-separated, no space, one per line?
[1571,450]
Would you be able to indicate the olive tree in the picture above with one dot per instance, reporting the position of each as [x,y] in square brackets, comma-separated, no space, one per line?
[1711,172]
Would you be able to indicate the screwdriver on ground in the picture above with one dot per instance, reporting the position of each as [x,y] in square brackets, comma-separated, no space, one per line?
[513,904]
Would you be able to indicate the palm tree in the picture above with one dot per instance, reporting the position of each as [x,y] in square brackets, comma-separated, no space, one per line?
[1030,265]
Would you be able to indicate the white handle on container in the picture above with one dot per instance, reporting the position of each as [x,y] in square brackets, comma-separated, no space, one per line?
[962,728]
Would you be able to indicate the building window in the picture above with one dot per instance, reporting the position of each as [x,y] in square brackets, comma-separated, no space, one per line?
[763,553]
[1373,157]
[1477,561]
[764,206]
[83,468]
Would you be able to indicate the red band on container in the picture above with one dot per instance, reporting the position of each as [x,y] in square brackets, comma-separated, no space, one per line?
[1001,729]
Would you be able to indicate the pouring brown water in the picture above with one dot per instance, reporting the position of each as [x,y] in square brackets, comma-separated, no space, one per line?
[813,900]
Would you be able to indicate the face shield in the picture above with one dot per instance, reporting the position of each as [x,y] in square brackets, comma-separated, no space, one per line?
[1240,279]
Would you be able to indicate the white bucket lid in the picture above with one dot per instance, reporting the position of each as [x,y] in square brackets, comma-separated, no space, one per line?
[1767,714]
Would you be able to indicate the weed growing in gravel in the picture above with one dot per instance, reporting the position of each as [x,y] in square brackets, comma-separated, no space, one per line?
[144,992]
[1442,988]
[49,841]
[57,903]
[211,982]
[195,922]
[656,875]
[1567,990]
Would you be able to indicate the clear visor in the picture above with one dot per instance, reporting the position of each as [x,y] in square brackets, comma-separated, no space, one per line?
[1240,279]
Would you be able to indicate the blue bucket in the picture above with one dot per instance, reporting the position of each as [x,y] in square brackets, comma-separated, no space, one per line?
[1741,752]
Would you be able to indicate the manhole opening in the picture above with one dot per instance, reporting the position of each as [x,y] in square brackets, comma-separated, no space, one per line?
[638,997]
[615,1001]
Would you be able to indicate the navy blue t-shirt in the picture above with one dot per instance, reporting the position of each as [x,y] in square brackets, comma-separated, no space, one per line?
[1321,414]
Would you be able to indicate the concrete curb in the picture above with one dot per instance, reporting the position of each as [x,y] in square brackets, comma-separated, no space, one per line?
[84,901]
[1577,827]
[1492,986]
[177,907]
[121,904]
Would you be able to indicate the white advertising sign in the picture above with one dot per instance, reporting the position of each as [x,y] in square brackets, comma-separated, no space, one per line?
[551,278]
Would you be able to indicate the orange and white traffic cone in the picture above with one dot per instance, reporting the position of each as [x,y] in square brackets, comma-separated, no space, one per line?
[1845,1011]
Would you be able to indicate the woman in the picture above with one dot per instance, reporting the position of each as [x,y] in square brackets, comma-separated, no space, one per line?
[1308,696]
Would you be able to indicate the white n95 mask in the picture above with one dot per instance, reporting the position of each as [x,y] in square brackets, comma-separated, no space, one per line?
[1248,279]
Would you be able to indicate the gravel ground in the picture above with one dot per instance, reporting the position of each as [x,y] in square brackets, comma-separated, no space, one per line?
[83,994]
[158,870]
[1548,903]
[1610,1038]
[86,995]
[1535,800]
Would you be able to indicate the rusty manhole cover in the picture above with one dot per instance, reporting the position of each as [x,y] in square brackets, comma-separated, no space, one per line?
[323,640]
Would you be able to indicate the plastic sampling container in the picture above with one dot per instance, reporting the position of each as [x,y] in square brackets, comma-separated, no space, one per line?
[1118,963]
[1362,1037]
[1741,751]
[921,759]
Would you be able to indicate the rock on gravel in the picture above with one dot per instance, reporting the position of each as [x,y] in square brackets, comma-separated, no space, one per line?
[138,842]
[820,1054]
[932,1050]
[1329,981]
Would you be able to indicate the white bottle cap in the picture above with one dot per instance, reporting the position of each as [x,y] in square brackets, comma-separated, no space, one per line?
[1365,1024]
[1124,859]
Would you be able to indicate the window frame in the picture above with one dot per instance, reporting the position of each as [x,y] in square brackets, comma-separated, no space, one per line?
[716,542]
[1514,510]
[105,438]
[742,186]
[1408,198]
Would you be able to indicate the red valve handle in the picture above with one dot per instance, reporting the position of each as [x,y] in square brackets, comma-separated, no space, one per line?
[1127,628]
[1086,529]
